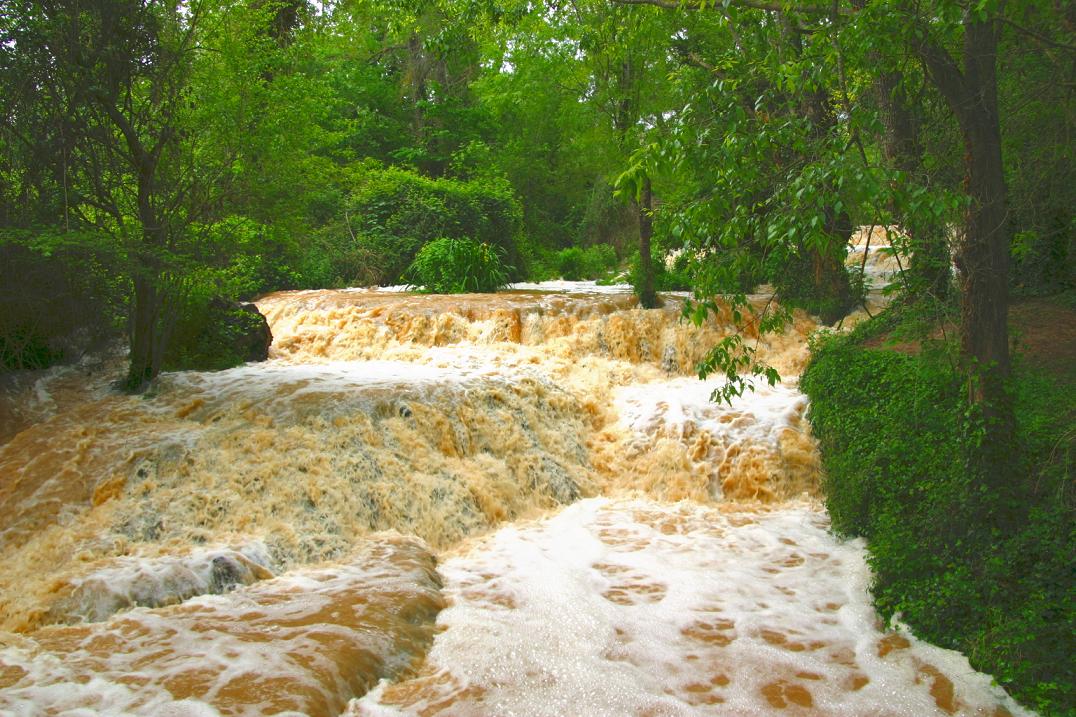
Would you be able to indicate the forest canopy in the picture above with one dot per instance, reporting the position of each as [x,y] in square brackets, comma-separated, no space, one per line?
[236,148]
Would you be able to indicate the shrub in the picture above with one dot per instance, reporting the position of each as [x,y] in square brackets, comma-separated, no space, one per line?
[60,293]
[830,299]
[210,332]
[578,263]
[666,278]
[890,428]
[456,266]
[394,213]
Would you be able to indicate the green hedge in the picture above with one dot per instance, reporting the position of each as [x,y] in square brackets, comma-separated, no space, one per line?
[394,212]
[577,263]
[890,428]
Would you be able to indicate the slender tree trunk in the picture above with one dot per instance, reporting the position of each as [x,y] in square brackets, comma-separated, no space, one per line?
[929,271]
[647,298]
[624,116]
[831,284]
[146,347]
[831,291]
[144,360]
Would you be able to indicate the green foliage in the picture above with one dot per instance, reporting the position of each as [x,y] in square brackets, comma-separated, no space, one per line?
[733,357]
[1045,262]
[794,280]
[240,258]
[577,263]
[674,277]
[457,266]
[60,294]
[395,212]
[896,434]
[1037,126]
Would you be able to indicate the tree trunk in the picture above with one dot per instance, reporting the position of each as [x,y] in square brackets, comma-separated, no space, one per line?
[830,294]
[144,359]
[929,271]
[147,347]
[983,260]
[983,256]
[983,253]
[647,298]
[832,288]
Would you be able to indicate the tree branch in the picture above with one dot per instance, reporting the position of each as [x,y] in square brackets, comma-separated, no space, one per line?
[1038,36]
[943,72]
[754,4]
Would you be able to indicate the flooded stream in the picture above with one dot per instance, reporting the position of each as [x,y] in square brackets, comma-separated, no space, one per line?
[511,504]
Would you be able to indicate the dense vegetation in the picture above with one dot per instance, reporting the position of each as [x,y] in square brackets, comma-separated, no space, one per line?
[159,161]
[457,266]
[897,435]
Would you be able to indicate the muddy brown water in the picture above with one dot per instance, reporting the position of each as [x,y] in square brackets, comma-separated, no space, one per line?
[515,504]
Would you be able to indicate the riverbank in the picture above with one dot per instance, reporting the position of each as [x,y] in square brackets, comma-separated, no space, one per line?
[894,435]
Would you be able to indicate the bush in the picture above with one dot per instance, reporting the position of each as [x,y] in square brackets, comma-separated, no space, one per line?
[456,266]
[211,332]
[60,294]
[394,213]
[243,258]
[890,428]
[666,278]
[830,299]
[578,263]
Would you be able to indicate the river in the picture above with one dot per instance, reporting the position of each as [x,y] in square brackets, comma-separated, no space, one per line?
[511,504]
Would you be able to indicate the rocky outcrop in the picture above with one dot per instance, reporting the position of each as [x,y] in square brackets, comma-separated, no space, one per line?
[225,334]
[245,325]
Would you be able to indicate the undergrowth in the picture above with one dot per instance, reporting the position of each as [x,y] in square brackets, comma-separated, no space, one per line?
[891,427]
[456,266]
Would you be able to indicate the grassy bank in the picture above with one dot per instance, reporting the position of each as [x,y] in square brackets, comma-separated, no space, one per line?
[894,429]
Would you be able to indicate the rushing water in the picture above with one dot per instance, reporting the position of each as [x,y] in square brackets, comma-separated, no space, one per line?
[521,504]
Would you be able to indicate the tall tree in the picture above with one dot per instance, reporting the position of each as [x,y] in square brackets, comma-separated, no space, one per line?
[113,75]
[969,86]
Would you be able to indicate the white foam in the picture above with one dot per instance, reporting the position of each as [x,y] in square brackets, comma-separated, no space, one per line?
[286,389]
[562,286]
[631,607]
[673,405]
[556,286]
[324,633]
[133,581]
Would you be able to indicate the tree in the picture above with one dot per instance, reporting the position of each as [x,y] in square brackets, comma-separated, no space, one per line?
[982,256]
[970,90]
[111,77]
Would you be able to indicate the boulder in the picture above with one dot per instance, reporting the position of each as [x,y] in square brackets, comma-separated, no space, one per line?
[245,326]
[224,334]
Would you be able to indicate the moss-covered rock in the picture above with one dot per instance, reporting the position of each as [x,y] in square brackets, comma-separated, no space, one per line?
[222,335]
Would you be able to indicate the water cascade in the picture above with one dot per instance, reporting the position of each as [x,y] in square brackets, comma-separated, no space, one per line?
[477,505]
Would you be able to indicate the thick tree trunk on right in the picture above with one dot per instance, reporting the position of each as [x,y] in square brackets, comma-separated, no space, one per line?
[982,255]
[983,260]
